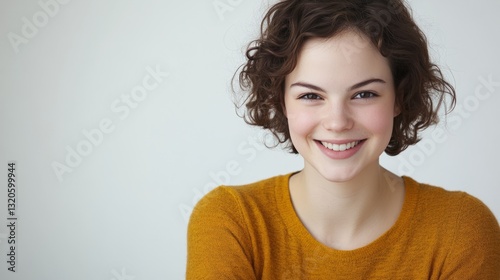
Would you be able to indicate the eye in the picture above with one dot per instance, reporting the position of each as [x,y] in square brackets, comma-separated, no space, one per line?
[310,96]
[364,95]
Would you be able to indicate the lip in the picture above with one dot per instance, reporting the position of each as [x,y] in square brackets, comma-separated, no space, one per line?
[340,154]
[340,142]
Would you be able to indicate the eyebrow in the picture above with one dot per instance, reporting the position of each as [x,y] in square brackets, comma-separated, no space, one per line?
[356,86]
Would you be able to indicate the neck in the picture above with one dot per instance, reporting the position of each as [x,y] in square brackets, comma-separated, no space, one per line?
[342,213]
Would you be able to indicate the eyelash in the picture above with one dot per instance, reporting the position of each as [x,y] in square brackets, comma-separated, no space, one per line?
[372,94]
[310,96]
[314,96]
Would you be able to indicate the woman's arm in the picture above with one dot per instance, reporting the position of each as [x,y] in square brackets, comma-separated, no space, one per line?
[218,243]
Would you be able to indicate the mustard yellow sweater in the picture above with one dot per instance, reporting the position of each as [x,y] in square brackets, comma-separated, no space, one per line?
[252,232]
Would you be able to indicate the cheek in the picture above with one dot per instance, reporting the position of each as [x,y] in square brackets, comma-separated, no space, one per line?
[379,121]
[301,122]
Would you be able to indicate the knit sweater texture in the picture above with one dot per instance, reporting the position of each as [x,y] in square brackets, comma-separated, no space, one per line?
[253,232]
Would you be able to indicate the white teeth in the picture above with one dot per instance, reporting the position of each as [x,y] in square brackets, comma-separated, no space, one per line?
[341,147]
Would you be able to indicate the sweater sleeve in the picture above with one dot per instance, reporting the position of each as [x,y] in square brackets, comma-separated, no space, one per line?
[218,240]
[475,251]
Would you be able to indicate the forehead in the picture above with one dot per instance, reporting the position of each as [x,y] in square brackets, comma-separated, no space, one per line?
[341,60]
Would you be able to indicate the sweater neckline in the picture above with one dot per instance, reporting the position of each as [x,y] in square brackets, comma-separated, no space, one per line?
[295,227]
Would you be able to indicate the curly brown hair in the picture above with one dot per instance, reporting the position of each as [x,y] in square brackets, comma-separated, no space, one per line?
[419,84]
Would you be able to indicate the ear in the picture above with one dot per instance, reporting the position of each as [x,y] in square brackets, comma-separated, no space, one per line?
[283,107]
[397,109]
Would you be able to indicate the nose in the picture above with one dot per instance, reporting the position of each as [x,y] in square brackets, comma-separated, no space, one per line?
[337,117]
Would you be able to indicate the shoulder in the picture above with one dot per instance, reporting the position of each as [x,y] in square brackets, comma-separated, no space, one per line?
[437,198]
[236,200]
[463,224]
[225,224]
[458,205]
[449,215]
[457,202]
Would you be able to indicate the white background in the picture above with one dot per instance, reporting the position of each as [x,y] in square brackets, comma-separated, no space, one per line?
[121,213]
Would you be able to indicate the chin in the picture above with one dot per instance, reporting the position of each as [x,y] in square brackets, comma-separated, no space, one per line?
[337,176]
[338,179]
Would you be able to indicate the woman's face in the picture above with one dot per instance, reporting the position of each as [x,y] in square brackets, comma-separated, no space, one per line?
[340,105]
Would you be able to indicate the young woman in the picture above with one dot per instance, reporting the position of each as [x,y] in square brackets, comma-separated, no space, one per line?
[340,82]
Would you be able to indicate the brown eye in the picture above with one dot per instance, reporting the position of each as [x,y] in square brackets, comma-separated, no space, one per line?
[365,94]
[310,96]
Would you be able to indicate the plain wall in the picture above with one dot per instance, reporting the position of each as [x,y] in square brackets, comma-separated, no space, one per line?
[112,152]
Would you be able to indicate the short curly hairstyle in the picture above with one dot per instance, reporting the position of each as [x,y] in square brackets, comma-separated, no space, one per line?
[419,84]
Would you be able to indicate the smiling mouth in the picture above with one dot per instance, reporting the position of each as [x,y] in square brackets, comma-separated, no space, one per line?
[340,147]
